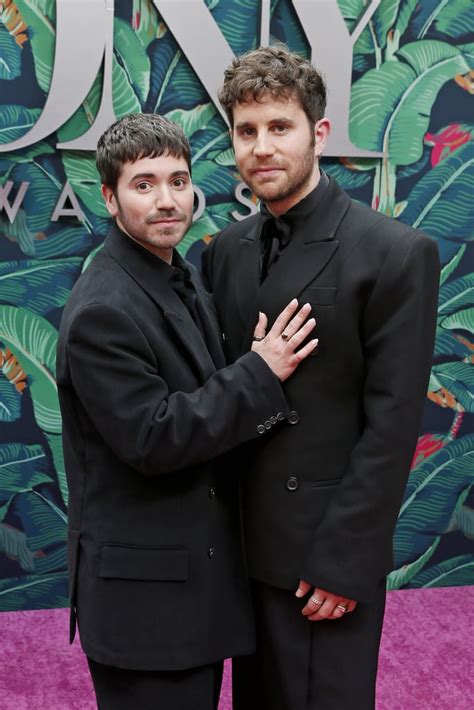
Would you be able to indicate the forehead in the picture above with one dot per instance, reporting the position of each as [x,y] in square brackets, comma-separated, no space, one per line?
[267,108]
[161,167]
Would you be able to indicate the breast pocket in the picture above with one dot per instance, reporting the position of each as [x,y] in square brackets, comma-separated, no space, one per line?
[322,300]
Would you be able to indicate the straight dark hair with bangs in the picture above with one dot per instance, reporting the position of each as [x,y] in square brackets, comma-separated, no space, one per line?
[136,136]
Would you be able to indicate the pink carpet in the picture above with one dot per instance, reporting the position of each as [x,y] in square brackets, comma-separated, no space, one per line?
[426,657]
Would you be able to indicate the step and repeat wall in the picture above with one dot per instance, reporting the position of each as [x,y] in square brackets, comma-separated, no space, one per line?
[401,81]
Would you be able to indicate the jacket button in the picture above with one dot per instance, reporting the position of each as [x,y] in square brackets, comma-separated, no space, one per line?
[273,420]
[212,492]
[268,425]
[261,429]
[293,417]
[292,483]
[280,417]
[211,552]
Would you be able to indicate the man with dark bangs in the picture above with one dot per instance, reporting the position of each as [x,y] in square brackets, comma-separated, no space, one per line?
[156,574]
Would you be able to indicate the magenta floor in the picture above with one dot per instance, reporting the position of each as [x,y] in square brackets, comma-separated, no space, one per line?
[426,658]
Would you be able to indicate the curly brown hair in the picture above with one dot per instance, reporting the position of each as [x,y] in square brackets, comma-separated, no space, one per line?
[277,72]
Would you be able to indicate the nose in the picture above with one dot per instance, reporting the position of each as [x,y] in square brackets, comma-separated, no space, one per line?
[164,198]
[263,145]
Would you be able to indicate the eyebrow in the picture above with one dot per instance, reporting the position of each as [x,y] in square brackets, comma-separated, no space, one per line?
[152,176]
[280,119]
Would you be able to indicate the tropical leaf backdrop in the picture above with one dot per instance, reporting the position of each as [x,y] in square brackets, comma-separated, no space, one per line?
[412,97]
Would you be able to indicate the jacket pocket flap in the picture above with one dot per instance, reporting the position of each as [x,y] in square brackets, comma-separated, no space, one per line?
[144,563]
[319,295]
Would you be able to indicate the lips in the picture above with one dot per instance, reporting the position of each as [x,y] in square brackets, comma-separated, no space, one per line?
[267,170]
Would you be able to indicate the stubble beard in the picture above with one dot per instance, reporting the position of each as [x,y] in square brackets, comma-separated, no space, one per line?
[155,235]
[293,183]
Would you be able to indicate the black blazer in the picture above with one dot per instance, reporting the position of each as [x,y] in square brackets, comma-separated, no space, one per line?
[155,562]
[322,494]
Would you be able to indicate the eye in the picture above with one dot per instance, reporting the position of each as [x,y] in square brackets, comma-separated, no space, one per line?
[246,132]
[179,182]
[280,128]
[143,186]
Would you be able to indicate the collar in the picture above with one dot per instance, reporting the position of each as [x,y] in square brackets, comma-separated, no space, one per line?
[297,214]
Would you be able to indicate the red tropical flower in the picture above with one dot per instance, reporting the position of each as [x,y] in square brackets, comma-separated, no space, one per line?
[427,445]
[446,141]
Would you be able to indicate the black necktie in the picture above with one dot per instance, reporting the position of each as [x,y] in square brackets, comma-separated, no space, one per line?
[275,236]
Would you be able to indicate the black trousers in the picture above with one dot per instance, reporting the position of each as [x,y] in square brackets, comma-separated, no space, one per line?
[309,665]
[119,689]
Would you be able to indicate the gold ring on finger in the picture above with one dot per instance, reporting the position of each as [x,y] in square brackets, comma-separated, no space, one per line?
[342,608]
[318,602]
[285,336]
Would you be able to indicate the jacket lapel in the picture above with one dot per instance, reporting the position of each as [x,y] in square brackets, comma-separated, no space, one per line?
[245,289]
[147,271]
[210,323]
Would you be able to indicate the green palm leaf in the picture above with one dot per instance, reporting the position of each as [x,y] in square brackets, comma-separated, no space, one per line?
[21,467]
[19,232]
[33,342]
[440,202]
[458,571]
[42,37]
[457,378]
[15,121]
[452,265]
[409,86]
[456,295]
[82,173]
[452,18]
[10,400]
[42,194]
[399,577]
[133,57]
[431,496]
[10,56]
[13,544]
[34,592]
[65,241]
[193,120]
[39,286]
[464,320]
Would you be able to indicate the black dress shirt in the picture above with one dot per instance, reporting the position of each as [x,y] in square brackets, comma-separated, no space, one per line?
[277,231]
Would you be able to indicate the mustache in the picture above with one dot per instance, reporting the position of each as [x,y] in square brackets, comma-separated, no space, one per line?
[166,214]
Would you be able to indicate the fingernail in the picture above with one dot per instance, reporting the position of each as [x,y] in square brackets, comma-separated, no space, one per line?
[299,592]
[315,342]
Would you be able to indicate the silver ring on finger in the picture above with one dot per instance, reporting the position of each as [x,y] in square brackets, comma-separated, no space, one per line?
[318,602]
[342,607]
[285,336]
[258,338]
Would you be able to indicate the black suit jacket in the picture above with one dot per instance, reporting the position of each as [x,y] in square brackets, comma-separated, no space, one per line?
[155,562]
[322,494]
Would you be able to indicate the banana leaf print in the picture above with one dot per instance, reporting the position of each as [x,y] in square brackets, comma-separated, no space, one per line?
[434,489]
[39,286]
[34,592]
[412,94]
[457,571]
[13,381]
